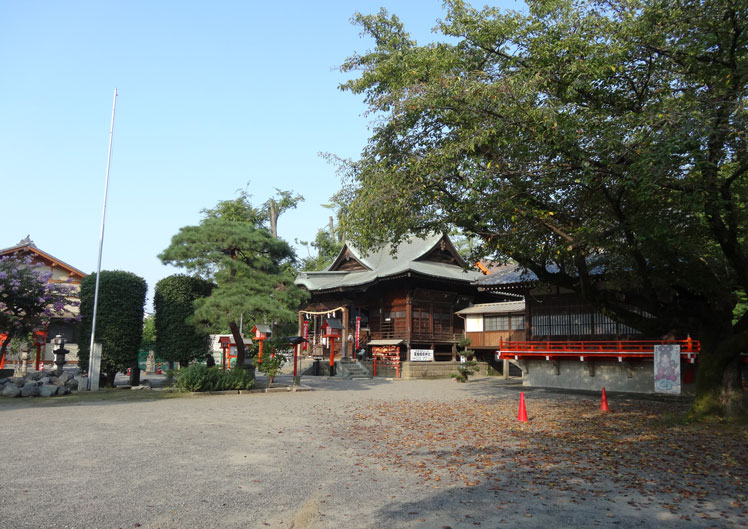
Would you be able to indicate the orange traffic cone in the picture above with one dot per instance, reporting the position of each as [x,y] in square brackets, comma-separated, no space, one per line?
[129,371]
[522,417]
[604,402]
[159,369]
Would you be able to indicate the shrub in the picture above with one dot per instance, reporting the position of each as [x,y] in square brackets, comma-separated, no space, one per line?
[200,378]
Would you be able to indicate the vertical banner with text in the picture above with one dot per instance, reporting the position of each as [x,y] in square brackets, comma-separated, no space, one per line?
[358,330]
[305,332]
[667,369]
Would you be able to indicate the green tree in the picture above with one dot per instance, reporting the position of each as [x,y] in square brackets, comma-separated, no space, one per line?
[274,207]
[577,137]
[178,337]
[148,341]
[28,300]
[253,271]
[327,249]
[119,320]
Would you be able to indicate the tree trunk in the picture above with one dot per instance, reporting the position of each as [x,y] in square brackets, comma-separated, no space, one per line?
[731,396]
[109,378]
[241,352]
[135,374]
[718,390]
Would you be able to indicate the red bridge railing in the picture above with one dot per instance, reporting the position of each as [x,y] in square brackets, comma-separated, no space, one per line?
[588,349]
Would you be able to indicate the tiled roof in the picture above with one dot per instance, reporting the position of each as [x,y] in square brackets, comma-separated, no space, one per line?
[494,308]
[382,264]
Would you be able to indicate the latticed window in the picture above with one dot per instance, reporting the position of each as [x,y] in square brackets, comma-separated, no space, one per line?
[496,323]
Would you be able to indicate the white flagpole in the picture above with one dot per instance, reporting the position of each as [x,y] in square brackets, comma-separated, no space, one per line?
[101,241]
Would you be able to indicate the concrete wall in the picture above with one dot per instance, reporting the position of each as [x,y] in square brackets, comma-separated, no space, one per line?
[436,369]
[635,377]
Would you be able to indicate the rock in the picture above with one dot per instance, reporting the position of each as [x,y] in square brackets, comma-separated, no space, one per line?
[44,380]
[11,390]
[66,376]
[47,390]
[30,382]
[63,390]
[30,390]
[37,375]
[58,382]
[147,383]
[72,384]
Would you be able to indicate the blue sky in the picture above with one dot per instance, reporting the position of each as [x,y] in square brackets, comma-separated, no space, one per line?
[211,96]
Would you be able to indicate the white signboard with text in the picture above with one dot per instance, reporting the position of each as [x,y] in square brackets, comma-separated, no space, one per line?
[421,355]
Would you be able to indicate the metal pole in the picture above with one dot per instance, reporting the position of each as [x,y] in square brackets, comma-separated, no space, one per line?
[101,240]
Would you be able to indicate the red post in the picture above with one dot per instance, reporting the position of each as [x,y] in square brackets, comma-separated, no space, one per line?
[375,366]
[397,369]
[295,355]
[332,352]
[3,337]
[259,357]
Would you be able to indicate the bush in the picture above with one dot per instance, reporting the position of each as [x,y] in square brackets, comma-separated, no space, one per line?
[201,378]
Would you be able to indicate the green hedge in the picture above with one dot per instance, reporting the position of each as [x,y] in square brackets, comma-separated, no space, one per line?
[202,378]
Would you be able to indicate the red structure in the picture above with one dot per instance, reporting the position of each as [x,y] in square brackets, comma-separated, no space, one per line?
[331,331]
[261,333]
[589,349]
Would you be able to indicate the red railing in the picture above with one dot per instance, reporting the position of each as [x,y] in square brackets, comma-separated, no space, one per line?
[582,349]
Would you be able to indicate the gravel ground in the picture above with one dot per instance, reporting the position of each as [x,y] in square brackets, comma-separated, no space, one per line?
[261,460]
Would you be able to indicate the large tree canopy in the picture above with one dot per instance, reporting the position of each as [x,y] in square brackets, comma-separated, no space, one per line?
[579,137]
[252,269]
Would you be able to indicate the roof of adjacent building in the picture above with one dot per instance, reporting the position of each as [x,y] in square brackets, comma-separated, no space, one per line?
[509,273]
[26,245]
[434,257]
[494,308]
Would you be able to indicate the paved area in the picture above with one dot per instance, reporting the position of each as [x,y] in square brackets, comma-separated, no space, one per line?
[283,460]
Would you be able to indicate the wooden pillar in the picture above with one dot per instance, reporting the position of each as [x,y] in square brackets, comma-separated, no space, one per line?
[408,317]
[301,323]
[344,337]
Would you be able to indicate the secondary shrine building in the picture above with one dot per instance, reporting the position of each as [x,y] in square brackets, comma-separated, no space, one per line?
[396,305]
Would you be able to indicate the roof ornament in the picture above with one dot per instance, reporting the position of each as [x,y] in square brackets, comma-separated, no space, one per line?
[26,242]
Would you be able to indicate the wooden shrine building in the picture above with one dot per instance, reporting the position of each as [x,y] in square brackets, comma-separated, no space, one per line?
[390,303]
[559,340]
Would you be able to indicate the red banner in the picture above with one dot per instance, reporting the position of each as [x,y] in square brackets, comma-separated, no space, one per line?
[305,331]
[358,330]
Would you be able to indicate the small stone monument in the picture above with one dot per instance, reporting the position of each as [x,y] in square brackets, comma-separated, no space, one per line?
[60,352]
[150,363]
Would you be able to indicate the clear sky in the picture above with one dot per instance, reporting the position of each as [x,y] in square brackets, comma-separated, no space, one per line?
[212,96]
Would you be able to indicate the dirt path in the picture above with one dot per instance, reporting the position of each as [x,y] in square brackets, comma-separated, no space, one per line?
[426,454]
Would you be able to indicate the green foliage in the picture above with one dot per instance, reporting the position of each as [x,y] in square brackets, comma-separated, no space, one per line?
[201,378]
[252,269]
[574,138]
[468,367]
[148,342]
[327,249]
[465,370]
[119,319]
[271,365]
[28,300]
[179,338]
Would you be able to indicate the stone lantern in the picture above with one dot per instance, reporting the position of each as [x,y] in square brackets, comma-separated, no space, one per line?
[60,352]
[24,348]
